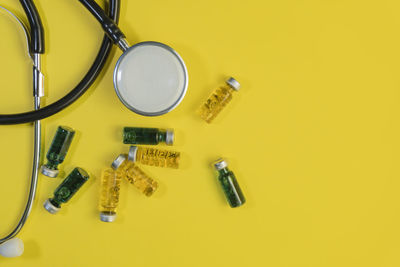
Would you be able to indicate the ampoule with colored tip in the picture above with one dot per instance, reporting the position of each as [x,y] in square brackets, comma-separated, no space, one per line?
[218,100]
[154,157]
[109,194]
[148,136]
[66,190]
[229,184]
[134,175]
[58,150]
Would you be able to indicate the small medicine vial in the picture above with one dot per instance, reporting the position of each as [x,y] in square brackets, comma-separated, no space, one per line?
[229,184]
[66,190]
[154,157]
[109,194]
[148,136]
[218,100]
[58,150]
[135,175]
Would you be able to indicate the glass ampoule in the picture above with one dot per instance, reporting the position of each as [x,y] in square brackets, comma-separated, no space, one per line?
[134,175]
[58,150]
[66,190]
[229,184]
[147,136]
[154,157]
[109,194]
[218,100]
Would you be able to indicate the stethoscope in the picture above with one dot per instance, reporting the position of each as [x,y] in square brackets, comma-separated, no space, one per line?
[150,79]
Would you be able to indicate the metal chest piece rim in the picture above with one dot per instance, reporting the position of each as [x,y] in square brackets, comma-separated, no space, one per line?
[175,101]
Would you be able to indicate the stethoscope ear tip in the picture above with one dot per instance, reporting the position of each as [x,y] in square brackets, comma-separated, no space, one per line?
[12,248]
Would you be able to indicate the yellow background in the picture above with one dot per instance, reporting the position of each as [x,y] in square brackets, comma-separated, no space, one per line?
[313,136]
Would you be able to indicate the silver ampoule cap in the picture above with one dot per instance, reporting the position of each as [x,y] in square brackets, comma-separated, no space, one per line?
[132,153]
[118,161]
[107,216]
[48,172]
[50,207]
[233,83]
[169,139]
[220,163]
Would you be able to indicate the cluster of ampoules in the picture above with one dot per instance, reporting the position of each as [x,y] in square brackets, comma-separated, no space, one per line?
[73,182]
[125,166]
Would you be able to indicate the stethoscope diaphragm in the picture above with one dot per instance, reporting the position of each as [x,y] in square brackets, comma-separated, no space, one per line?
[150,78]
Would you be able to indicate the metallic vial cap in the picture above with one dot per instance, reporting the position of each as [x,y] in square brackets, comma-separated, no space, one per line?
[50,207]
[169,140]
[49,172]
[107,217]
[132,153]
[220,164]
[118,161]
[233,83]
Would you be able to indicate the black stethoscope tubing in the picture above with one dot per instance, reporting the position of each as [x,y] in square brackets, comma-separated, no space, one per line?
[37,46]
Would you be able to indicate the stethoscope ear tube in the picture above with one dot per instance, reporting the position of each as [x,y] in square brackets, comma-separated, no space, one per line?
[75,93]
[109,26]
[35,54]
[36,27]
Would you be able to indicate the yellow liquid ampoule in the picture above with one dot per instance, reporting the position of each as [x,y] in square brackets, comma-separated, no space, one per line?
[135,175]
[218,100]
[141,180]
[109,194]
[154,157]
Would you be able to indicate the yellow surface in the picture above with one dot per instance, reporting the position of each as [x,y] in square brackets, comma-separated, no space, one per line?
[313,137]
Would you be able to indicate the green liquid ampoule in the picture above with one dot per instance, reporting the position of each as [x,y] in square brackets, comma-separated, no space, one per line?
[66,190]
[58,150]
[109,194]
[154,157]
[218,100]
[231,188]
[135,175]
[148,136]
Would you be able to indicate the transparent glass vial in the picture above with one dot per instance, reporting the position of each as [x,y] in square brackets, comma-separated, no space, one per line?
[154,157]
[135,175]
[109,194]
[66,190]
[148,136]
[218,100]
[229,184]
[58,150]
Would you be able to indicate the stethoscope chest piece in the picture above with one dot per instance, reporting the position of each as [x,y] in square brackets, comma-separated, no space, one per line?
[150,78]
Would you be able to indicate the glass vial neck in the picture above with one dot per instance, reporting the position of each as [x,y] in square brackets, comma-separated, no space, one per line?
[55,202]
[162,136]
[165,136]
[224,171]
[51,165]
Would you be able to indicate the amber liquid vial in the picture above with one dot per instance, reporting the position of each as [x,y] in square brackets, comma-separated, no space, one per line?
[134,175]
[109,194]
[218,100]
[154,157]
